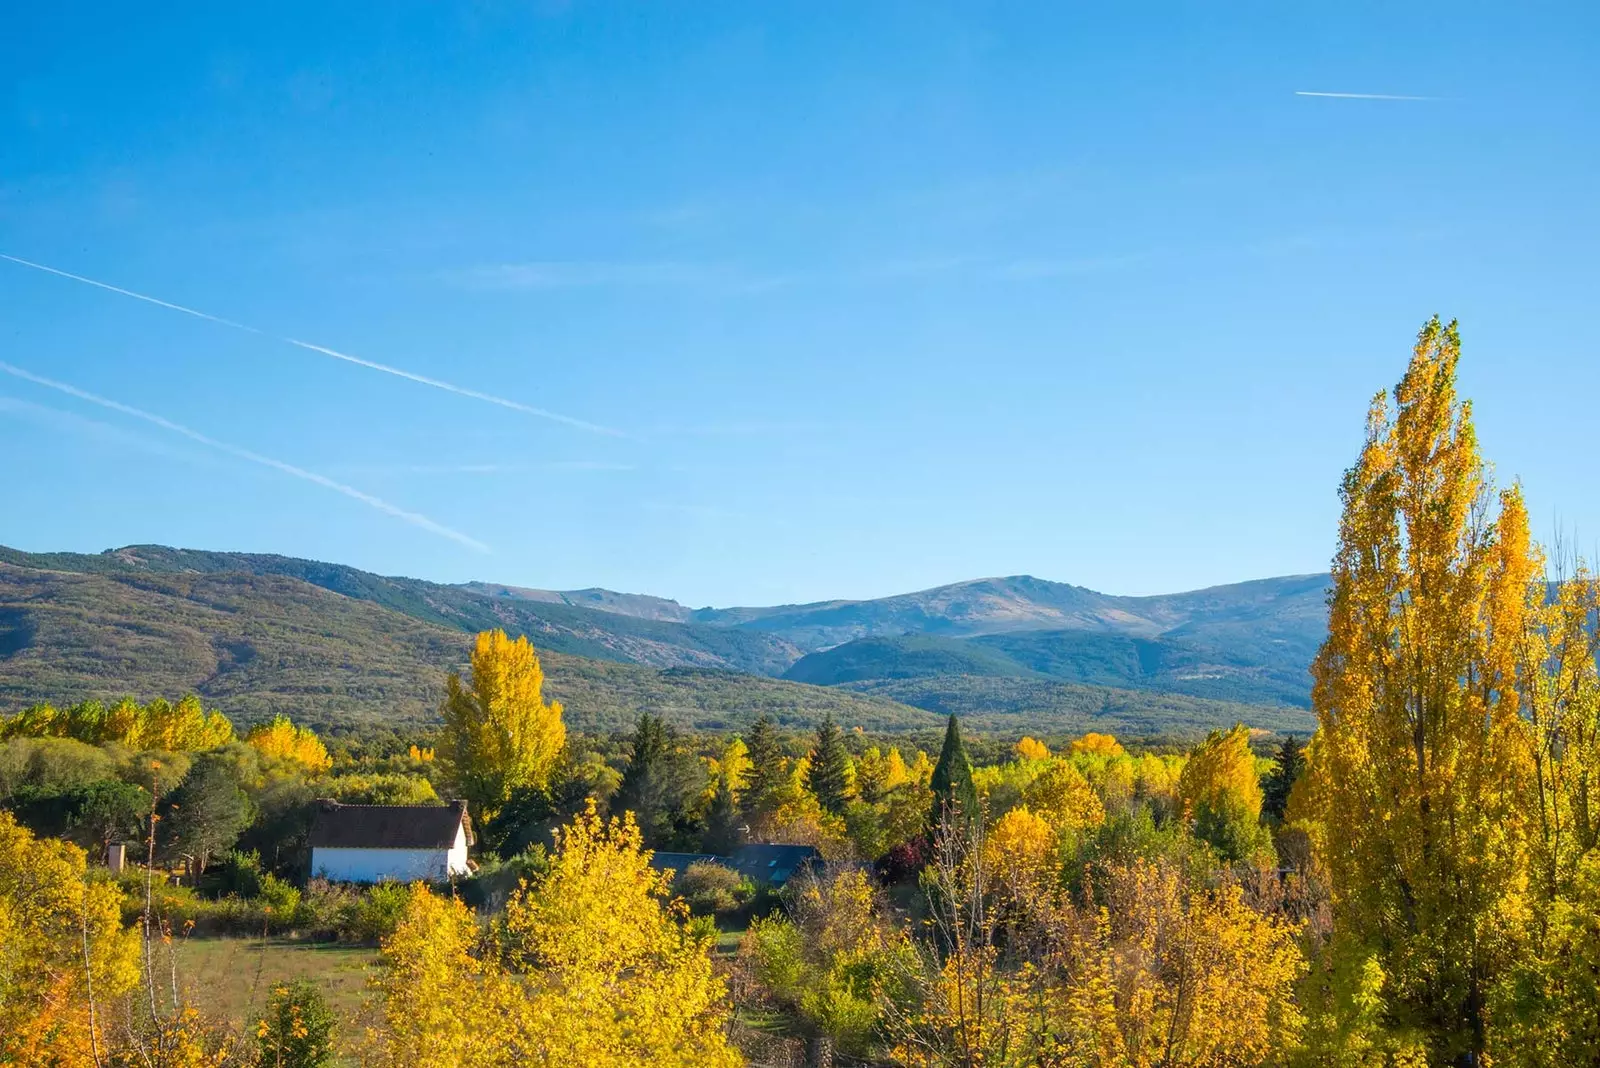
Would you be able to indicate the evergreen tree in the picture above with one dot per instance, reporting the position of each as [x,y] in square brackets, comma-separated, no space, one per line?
[830,775]
[204,816]
[953,790]
[768,773]
[661,785]
[1281,779]
[724,825]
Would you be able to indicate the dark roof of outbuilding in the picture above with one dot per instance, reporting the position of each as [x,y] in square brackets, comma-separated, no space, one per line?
[774,863]
[679,862]
[338,826]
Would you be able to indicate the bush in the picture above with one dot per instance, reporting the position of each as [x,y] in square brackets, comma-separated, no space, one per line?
[279,902]
[711,888]
[376,913]
[488,888]
[297,1029]
[238,873]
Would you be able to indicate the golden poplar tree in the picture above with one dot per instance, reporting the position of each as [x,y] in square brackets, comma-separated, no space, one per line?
[284,740]
[500,735]
[1420,760]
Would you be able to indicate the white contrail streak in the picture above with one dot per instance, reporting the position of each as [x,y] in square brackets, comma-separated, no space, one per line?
[436,384]
[1365,96]
[385,368]
[414,518]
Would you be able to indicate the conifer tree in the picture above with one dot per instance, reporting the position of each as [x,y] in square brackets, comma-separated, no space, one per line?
[953,790]
[661,783]
[768,773]
[829,777]
[1280,781]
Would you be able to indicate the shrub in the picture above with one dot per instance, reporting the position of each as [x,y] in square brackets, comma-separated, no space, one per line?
[279,902]
[297,1029]
[238,873]
[711,888]
[376,913]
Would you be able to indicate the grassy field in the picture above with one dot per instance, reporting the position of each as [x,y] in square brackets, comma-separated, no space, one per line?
[232,978]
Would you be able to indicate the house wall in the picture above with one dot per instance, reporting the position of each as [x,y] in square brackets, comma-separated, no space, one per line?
[457,857]
[376,865]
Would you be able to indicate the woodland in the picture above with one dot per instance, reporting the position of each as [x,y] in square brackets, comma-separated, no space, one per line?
[1415,882]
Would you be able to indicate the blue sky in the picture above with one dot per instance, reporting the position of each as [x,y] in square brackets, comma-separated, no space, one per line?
[834,299]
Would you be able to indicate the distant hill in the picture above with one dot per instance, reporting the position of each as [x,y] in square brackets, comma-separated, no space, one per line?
[376,645]
[1167,665]
[552,625]
[259,645]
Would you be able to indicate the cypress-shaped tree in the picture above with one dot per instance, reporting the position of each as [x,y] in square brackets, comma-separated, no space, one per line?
[953,791]
[1281,779]
[830,775]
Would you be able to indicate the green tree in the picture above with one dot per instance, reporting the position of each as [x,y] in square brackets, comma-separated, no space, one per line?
[953,790]
[1281,779]
[661,784]
[204,816]
[829,776]
[768,774]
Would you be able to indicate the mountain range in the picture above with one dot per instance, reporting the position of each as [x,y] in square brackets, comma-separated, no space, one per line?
[334,645]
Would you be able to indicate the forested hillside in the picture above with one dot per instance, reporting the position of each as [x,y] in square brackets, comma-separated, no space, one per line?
[259,645]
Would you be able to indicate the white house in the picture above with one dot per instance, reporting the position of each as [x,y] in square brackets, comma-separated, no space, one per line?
[403,843]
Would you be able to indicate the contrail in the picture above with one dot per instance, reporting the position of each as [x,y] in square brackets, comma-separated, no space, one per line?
[414,518]
[385,368]
[1365,96]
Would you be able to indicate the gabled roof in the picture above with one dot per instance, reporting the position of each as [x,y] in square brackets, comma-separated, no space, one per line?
[338,826]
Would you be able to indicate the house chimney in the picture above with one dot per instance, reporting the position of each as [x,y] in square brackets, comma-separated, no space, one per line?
[116,857]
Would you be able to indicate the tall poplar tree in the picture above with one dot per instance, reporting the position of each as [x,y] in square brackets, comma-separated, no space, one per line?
[1419,766]
[500,735]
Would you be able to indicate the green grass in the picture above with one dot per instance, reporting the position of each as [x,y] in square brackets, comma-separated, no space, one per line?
[231,979]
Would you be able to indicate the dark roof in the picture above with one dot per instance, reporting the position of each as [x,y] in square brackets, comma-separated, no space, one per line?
[775,864]
[678,862]
[338,826]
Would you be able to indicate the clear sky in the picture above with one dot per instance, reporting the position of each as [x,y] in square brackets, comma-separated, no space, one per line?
[816,299]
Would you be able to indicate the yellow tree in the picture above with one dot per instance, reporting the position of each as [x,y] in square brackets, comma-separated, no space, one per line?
[1063,798]
[441,1004]
[1420,760]
[500,735]
[64,955]
[1219,789]
[1184,976]
[1031,749]
[299,745]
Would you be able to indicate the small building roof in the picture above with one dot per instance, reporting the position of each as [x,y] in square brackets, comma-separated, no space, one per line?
[340,826]
[677,863]
[775,864]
